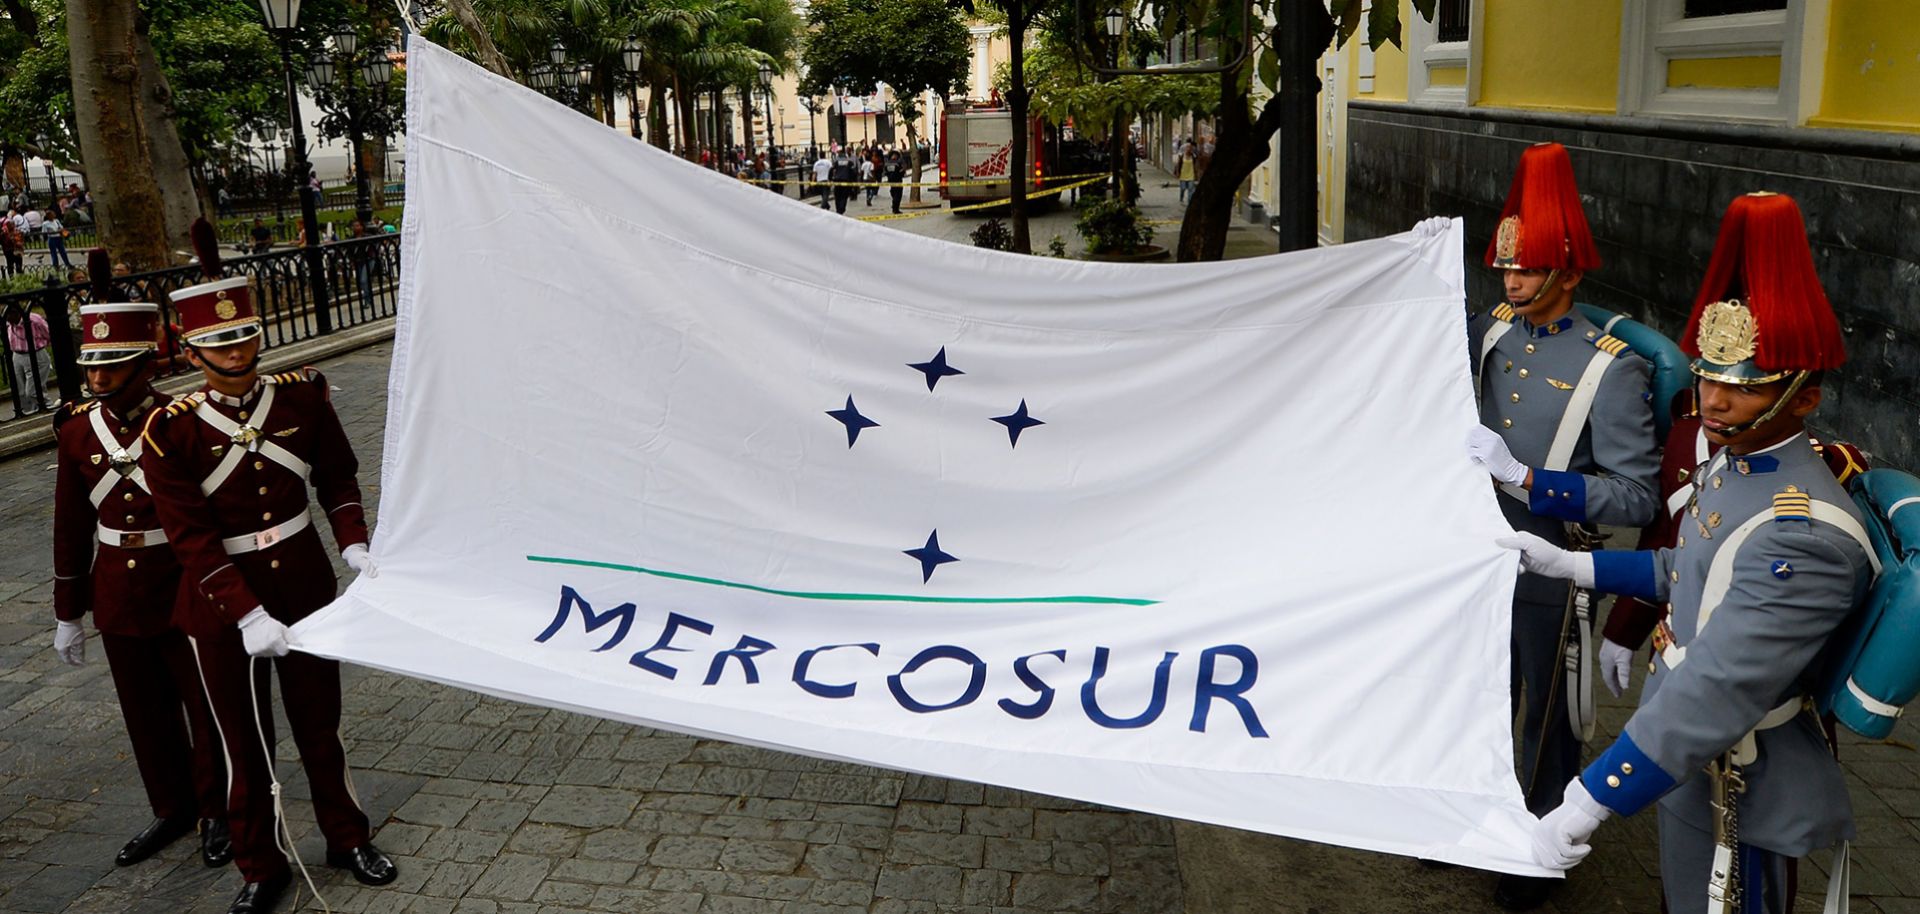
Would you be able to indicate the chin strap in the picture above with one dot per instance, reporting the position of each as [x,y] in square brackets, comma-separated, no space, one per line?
[1799,380]
[1545,287]
[138,378]
[241,372]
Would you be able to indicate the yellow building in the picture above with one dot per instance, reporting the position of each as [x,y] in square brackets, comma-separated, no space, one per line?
[1670,109]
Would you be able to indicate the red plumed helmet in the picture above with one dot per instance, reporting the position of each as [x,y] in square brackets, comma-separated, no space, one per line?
[1761,313]
[1543,226]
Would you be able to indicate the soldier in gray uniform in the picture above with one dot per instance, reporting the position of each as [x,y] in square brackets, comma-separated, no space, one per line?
[1770,558]
[1567,431]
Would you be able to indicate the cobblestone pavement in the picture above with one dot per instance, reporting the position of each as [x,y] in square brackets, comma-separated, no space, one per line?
[493,807]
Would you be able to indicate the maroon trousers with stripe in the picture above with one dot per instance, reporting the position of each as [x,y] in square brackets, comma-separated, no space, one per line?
[174,742]
[311,697]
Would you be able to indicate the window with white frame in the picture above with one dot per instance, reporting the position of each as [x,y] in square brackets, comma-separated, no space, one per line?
[1443,59]
[1740,44]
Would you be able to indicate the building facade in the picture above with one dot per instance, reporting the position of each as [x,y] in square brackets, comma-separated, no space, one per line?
[1670,108]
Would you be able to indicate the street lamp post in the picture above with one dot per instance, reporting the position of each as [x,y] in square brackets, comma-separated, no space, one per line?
[766,87]
[630,60]
[375,71]
[813,108]
[277,170]
[283,16]
[46,160]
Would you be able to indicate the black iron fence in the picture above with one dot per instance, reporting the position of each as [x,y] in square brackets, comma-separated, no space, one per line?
[360,278]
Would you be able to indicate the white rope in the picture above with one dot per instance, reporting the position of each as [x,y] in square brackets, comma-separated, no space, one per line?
[282,836]
[407,16]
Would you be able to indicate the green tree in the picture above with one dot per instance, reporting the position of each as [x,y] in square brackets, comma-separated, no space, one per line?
[914,46]
[1242,134]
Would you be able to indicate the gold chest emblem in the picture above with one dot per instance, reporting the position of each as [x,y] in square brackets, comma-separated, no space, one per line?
[100,330]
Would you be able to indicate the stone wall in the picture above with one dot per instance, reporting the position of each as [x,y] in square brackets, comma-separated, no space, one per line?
[1654,192]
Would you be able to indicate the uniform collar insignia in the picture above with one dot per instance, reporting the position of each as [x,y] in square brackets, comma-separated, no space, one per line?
[241,400]
[1754,464]
[1545,330]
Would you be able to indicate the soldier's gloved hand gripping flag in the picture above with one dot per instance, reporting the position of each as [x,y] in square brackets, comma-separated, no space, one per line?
[1194,539]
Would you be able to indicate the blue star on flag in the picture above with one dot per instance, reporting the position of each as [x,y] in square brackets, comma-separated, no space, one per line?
[851,418]
[935,368]
[930,556]
[1017,422]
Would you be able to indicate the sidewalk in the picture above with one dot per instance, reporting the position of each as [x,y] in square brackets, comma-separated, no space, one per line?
[493,807]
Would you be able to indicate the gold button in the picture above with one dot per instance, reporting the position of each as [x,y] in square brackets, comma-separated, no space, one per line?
[1529,347]
[1680,543]
[243,414]
[1506,423]
[1515,396]
[1626,767]
[1523,372]
[1673,576]
[1591,334]
[1613,781]
[129,518]
[123,429]
[1549,493]
[274,564]
[259,464]
[263,490]
[127,497]
[266,515]
[1716,482]
[1509,367]
[131,563]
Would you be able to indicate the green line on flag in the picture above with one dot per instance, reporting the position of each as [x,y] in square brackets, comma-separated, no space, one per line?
[854,597]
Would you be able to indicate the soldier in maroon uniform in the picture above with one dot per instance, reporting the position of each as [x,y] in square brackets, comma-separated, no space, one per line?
[129,579]
[229,466]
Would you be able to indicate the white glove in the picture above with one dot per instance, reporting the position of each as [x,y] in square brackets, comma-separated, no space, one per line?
[70,642]
[1486,448]
[1432,226]
[1544,558]
[359,559]
[1616,665]
[263,635]
[1560,837]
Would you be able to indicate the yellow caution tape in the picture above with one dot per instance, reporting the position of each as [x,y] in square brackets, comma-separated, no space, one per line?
[1003,201]
[887,184]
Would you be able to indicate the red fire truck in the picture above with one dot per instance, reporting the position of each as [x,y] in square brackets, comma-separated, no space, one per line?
[976,145]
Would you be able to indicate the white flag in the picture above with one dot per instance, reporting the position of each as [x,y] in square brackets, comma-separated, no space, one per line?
[1194,539]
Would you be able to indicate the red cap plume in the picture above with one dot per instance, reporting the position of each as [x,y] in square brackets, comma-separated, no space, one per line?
[1763,259]
[1553,232]
[100,275]
[206,246]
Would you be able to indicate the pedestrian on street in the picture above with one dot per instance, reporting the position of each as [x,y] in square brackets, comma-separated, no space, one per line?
[56,235]
[229,466]
[869,175]
[1185,170]
[27,342]
[12,248]
[111,560]
[360,256]
[262,236]
[1773,552]
[896,171]
[844,175]
[821,167]
[1556,471]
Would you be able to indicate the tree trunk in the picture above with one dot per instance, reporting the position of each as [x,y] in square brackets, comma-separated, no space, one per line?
[746,120]
[484,49]
[657,133]
[1018,15]
[171,168]
[1240,142]
[105,69]
[913,150]
[376,147]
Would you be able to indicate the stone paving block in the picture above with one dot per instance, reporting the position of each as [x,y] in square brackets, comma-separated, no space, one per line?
[1020,855]
[512,877]
[687,851]
[1055,892]
[854,814]
[497,816]
[549,840]
[1075,858]
[839,862]
[988,887]
[425,905]
[612,844]
[452,880]
[607,872]
[850,892]
[464,845]
[755,856]
[818,907]
[998,821]
[585,807]
[767,885]
[701,882]
[738,827]
[871,836]
[645,901]
[434,809]
[661,822]
[919,882]
[566,894]
[937,847]
[936,817]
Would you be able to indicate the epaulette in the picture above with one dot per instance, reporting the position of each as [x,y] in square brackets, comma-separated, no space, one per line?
[1845,460]
[1610,344]
[308,373]
[1503,312]
[1792,504]
[179,407]
[71,411]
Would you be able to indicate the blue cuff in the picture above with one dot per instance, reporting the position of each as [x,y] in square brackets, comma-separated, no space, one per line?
[1628,573]
[1624,779]
[1559,494]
